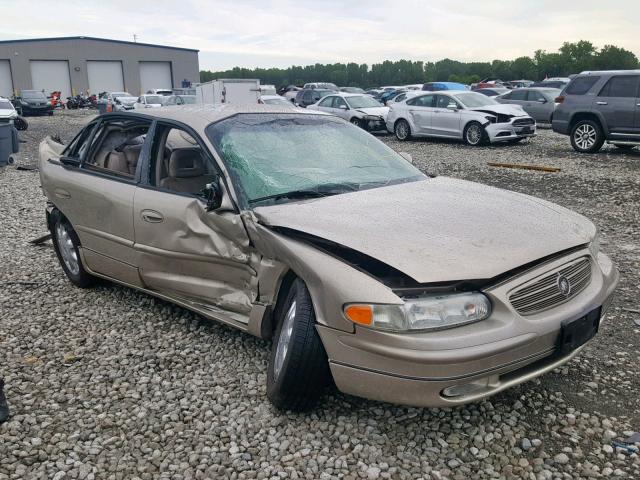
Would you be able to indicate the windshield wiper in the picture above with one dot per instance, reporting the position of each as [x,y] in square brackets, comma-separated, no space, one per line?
[324,190]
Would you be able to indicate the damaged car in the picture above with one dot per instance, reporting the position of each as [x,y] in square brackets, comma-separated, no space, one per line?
[361,110]
[469,116]
[298,227]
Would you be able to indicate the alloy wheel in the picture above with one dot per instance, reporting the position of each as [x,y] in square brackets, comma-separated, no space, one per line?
[284,339]
[585,136]
[402,130]
[474,135]
[67,250]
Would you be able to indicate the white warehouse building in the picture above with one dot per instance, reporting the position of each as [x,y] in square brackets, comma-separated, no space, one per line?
[75,65]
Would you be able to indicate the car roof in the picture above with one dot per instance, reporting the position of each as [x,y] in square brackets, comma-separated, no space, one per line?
[610,72]
[200,116]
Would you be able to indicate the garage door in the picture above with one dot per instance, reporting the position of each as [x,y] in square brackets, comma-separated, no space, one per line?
[105,76]
[51,75]
[155,75]
[6,86]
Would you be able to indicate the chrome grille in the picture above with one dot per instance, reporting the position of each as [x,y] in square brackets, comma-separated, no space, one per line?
[521,122]
[544,292]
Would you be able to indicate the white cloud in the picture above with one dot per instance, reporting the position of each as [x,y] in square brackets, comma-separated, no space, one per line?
[283,32]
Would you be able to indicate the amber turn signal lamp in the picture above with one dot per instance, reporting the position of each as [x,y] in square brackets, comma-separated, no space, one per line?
[362,314]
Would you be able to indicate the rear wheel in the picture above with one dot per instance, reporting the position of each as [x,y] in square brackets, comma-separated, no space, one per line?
[474,134]
[624,147]
[402,130]
[587,136]
[66,244]
[298,370]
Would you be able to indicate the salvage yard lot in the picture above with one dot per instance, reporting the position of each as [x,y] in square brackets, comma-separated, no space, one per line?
[111,383]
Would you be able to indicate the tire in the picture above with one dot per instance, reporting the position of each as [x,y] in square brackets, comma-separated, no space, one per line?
[20,123]
[298,370]
[624,148]
[474,134]
[66,244]
[402,130]
[356,121]
[50,113]
[587,136]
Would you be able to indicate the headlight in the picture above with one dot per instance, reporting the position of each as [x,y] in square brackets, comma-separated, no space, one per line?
[491,118]
[432,312]
[594,245]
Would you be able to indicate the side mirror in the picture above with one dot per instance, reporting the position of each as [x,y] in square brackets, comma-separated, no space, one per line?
[69,161]
[213,195]
[544,100]
[407,157]
[453,108]
[343,107]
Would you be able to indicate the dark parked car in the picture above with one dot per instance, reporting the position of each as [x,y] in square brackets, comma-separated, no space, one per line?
[537,102]
[309,96]
[32,102]
[600,106]
[492,92]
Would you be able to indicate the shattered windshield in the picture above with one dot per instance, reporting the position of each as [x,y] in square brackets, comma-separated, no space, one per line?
[282,157]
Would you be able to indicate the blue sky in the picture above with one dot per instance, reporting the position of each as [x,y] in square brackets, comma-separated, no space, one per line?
[280,33]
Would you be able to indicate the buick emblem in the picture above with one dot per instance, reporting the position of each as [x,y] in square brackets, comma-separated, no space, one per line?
[563,285]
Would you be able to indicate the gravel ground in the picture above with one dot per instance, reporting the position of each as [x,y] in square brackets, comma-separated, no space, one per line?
[113,384]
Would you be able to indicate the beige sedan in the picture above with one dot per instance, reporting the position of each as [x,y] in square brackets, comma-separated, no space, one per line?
[299,227]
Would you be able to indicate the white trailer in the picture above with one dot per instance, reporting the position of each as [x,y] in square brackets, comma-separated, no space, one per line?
[228,90]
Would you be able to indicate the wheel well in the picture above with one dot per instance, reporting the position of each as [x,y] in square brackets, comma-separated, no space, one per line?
[583,116]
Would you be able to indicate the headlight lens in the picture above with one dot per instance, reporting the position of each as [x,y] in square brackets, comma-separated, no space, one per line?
[432,312]
[594,245]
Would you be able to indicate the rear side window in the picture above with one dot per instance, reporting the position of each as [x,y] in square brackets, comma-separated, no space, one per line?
[422,101]
[518,95]
[623,87]
[535,96]
[581,85]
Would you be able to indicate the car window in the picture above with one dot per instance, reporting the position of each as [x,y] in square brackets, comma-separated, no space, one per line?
[623,86]
[80,143]
[339,102]
[507,96]
[179,162]
[580,85]
[422,101]
[326,102]
[401,97]
[116,147]
[518,95]
[535,96]
[444,101]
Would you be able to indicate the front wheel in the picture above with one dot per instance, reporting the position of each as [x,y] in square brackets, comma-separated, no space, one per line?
[474,134]
[298,370]
[67,246]
[357,122]
[587,136]
[402,130]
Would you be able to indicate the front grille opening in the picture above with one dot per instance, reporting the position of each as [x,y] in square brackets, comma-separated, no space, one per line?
[543,293]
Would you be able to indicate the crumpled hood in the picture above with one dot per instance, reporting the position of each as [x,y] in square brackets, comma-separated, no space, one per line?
[127,100]
[439,229]
[504,108]
[380,111]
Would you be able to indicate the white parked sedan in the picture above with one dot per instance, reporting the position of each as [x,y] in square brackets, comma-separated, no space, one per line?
[469,116]
[361,110]
[150,101]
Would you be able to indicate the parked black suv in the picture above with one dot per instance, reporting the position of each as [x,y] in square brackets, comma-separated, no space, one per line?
[600,106]
[309,96]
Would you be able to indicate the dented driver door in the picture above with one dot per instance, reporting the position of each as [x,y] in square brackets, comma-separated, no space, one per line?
[196,256]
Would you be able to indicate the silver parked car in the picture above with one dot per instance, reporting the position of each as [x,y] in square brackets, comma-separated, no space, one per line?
[537,102]
[360,109]
[469,116]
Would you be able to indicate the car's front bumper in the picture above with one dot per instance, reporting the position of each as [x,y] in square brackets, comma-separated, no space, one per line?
[377,125]
[36,110]
[503,132]
[487,357]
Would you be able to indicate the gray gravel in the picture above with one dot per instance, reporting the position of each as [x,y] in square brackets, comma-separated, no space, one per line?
[113,384]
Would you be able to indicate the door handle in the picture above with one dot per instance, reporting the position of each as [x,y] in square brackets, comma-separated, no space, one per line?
[151,216]
[602,103]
